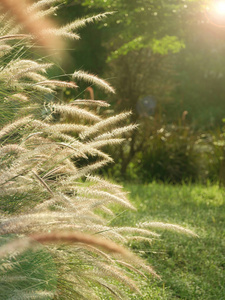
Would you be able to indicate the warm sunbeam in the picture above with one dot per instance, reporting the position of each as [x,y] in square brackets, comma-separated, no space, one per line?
[215,13]
[220,7]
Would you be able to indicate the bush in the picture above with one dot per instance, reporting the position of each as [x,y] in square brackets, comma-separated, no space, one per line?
[171,156]
[172,153]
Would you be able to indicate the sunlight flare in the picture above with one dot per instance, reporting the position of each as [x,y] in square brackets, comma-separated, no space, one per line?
[220,7]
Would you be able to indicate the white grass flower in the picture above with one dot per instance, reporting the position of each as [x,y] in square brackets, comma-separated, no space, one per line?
[14,37]
[90,102]
[93,79]
[42,4]
[167,226]
[75,112]
[115,132]
[13,126]
[82,22]
[108,122]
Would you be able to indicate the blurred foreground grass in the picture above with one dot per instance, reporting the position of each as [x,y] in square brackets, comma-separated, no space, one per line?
[191,268]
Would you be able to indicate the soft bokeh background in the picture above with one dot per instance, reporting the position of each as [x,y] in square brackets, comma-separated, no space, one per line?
[166,61]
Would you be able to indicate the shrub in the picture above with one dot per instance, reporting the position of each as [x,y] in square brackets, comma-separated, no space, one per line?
[215,156]
[167,152]
[171,155]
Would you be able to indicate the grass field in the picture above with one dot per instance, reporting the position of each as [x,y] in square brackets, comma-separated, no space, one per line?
[190,268]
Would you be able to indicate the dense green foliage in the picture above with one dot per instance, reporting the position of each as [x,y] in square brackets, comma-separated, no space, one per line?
[171,153]
[178,32]
[172,52]
[182,34]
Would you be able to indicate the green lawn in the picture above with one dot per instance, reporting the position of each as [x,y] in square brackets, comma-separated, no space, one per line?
[191,268]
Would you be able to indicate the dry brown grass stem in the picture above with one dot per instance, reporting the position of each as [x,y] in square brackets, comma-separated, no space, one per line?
[43,183]
[77,237]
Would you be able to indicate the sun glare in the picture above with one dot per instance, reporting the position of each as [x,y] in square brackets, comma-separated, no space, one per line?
[220,7]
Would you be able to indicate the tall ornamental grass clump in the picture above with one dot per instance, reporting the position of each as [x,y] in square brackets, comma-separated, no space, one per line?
[49,152]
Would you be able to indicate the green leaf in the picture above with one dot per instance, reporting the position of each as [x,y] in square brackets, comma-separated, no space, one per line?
[135,44]
[167,44]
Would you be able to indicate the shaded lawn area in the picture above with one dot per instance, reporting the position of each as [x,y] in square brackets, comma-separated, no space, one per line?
[191,268]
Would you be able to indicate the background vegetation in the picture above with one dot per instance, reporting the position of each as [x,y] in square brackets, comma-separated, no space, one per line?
[173,54]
